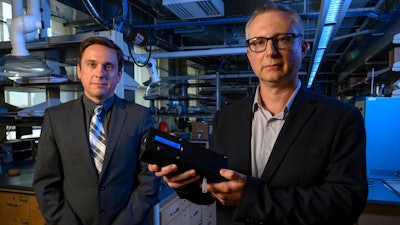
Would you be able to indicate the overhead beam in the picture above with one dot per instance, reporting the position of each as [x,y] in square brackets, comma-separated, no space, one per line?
[199,53]
[372,48]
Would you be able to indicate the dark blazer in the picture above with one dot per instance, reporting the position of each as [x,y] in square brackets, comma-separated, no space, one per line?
[66,183]
[316,173]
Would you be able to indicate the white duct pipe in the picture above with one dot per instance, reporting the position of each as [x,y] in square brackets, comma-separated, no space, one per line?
[23,27]
[17,8]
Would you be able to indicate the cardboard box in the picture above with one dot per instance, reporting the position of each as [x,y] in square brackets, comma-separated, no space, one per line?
[200,131]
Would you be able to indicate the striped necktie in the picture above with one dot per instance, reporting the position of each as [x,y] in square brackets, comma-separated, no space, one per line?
[97,137]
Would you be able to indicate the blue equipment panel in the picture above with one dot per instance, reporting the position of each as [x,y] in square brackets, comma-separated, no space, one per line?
[382,123]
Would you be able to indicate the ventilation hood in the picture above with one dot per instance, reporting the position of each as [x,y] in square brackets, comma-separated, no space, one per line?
[195,9]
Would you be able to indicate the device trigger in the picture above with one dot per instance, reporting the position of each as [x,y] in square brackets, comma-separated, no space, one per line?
[204,185]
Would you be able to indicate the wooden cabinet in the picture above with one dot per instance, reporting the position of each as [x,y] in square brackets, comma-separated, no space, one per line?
[19,208]
[36,215]
[174,210]
[380,214]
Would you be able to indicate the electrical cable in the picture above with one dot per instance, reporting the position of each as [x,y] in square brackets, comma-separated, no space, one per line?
[125,8]
[93,12]
[130,46]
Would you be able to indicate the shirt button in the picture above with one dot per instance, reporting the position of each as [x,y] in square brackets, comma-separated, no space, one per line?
[102,188]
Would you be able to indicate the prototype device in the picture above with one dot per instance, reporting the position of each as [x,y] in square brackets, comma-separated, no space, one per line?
[163,149]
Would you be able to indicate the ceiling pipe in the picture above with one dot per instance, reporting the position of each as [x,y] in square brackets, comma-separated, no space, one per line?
[358,33]
[160,26]
[194,23]
[200,53]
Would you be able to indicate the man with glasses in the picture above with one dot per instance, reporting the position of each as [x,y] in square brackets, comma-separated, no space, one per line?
[279,41]
[294,156]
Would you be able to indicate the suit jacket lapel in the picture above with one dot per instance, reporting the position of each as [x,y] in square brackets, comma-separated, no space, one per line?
[80,136]
[299,113]
[240,123]
[244,164]
[117,121]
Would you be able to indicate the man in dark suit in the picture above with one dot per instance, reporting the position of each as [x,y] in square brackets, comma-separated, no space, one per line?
[69,188]
[294,156]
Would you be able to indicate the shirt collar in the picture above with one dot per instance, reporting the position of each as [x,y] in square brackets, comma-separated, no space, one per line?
[257,98]
[90,105]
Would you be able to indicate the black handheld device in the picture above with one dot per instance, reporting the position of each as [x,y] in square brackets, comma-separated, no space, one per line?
[163,149]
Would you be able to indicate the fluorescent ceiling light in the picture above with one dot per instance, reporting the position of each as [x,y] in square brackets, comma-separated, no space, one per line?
[334,8]
[315,67]
[311,79]
[313,73]
[318,55]
[325,36]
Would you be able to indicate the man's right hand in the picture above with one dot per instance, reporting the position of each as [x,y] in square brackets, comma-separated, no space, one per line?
[174,179]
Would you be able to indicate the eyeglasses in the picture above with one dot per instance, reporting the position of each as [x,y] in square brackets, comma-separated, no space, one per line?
[279,41]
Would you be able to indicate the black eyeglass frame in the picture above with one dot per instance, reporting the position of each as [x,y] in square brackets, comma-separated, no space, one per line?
[273,39]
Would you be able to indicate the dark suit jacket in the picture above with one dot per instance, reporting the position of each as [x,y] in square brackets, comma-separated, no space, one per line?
[66,183]
[316,173]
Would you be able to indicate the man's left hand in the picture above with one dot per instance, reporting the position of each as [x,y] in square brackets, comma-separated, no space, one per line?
[229,192]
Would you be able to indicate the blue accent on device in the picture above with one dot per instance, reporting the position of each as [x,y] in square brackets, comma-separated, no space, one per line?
[167,142]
